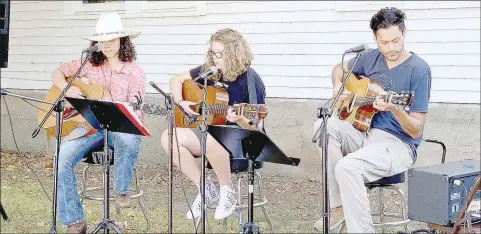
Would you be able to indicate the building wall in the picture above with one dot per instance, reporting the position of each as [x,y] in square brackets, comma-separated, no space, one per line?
[295,44]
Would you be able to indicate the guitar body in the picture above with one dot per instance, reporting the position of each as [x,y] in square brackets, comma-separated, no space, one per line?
[73,126]
[93,91]
[359,116]
[192,92]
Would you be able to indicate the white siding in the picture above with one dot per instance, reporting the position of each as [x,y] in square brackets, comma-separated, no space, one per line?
[296,44]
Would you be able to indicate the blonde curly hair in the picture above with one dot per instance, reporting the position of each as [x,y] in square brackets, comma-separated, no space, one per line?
[237,54]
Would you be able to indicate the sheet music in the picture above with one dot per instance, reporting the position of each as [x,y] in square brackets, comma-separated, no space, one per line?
[131,111]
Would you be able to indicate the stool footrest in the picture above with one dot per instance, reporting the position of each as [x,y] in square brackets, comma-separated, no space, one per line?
[388,214]
[392,224]
[243,207]
[90,197]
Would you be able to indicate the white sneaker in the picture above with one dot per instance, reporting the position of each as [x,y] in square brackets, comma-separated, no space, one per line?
[227,202]
[211,196]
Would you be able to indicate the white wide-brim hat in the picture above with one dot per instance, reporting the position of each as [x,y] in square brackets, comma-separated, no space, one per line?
[109,26]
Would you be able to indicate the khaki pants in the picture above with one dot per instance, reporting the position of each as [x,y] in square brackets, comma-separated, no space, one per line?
[354,158]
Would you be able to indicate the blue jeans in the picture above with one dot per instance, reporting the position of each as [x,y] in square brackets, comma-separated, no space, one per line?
[126,149]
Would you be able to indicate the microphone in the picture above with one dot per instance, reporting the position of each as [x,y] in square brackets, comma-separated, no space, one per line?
[357,49]
[158,89]
[212,71]
[95,48]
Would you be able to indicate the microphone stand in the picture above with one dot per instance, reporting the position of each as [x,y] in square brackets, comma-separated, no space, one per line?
[5,92]
[203,142]
[321,134]
[58,107]
[170,125]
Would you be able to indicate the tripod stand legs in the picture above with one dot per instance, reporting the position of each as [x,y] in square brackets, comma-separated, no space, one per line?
[250,227]
[106,223]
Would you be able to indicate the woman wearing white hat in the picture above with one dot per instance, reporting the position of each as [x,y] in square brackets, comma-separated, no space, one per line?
[115,68]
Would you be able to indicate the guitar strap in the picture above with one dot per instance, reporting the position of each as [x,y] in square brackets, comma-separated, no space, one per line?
[251,88]
[252,91]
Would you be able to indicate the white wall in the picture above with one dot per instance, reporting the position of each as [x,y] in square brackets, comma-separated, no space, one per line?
[296,44]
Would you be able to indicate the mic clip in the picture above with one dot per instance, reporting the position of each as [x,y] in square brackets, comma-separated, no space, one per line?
[137,105]
[221,85]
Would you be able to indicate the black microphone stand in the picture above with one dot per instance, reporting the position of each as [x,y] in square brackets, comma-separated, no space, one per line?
[3,213]
[58,107]
[325,113]
[169,103]
[203,146]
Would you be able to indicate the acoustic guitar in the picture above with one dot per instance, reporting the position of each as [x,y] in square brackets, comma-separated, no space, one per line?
[71,118]
[358,109]
[75,125]
[217,101]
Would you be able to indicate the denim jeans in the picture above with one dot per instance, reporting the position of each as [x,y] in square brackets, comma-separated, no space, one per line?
[126,149]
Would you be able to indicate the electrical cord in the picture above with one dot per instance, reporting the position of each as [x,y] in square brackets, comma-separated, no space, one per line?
[180,168]
[18,150]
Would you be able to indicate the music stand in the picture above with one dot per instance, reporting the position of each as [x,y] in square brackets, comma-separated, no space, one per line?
[114,117]
[254,146]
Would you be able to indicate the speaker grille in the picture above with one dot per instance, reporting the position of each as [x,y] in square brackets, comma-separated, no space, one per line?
[4,31]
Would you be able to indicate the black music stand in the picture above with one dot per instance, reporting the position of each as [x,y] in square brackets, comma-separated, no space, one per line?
[254,146]
[114,117]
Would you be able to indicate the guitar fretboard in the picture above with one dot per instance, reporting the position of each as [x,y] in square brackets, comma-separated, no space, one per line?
[217,109]
[244,110]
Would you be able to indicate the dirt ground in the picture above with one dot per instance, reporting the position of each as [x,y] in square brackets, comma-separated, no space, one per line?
[293,205]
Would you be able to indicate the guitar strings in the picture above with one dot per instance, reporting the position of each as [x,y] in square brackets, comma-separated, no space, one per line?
[39,108]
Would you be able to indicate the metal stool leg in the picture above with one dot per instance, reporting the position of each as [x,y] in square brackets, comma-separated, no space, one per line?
[207,224]
[240,219]
[381,208]
[403,216]
[141,201]
[259,201]
[262,199]
[138,195]
[83,182]
[403,208]
[239,204]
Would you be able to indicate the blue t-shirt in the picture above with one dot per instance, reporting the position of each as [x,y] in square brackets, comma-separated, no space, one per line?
[413,74]
[237,90]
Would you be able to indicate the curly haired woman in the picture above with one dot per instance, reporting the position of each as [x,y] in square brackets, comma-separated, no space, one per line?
[115,68]
[230,54]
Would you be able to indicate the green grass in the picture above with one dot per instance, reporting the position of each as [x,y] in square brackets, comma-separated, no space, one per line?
[29,211]
[294,203]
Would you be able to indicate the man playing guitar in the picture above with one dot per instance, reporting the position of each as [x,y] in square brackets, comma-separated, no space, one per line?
[389,146]
[115,68]
[230,54]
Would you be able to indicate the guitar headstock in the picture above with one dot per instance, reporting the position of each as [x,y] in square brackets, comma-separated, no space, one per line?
[154,110]
[401,99]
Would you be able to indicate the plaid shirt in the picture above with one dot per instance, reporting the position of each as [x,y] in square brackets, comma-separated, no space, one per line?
[123,85]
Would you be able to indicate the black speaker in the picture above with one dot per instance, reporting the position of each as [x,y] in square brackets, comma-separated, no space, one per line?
[4,32]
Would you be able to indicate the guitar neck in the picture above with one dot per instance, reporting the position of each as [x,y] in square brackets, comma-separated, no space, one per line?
[364,101]
[398,99]
[218,109]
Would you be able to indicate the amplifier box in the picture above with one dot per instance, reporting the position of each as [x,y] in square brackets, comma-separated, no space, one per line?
[437,193]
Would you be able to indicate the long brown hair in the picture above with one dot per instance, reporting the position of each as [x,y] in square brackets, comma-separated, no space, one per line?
[237,54]
[126,52]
